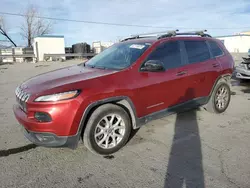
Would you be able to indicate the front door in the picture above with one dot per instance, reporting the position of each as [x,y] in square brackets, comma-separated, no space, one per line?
[161,90]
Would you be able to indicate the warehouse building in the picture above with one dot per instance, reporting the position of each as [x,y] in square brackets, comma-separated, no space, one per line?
[48,44]
[238,43]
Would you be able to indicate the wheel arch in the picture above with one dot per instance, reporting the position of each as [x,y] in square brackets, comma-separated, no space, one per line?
[225,77]
[211,105]
[122,101]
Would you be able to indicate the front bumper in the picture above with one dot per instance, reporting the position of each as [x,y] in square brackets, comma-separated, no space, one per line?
[242,73]
[50,139]
[38,134]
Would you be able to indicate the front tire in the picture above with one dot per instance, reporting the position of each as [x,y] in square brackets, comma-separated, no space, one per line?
[108,129]
[220,98]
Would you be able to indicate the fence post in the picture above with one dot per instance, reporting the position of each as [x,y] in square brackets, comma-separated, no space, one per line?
[13,54]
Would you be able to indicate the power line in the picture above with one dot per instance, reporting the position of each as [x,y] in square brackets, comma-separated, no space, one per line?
[119,24]
[3,32]
[85,21]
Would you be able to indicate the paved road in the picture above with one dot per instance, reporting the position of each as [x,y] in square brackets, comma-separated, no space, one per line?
[195,148]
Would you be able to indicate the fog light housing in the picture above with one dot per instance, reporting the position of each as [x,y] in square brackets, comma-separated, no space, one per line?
[43,117]
[43,138]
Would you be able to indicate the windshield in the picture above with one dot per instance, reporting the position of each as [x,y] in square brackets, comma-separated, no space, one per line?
[118,56]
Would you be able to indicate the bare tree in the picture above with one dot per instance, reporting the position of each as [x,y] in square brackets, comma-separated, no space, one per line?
[33,25]
[3,30]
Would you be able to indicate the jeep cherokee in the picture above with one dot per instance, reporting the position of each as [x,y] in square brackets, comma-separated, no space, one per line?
[139,79]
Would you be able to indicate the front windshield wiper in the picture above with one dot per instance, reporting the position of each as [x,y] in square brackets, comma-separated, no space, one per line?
[101,67]
[91,66]
[96,67]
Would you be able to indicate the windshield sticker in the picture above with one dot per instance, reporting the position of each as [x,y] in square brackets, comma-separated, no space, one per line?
[137,46]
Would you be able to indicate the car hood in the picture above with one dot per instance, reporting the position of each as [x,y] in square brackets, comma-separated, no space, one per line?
[62,77]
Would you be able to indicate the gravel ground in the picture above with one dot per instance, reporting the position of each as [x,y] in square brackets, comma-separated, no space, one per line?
[191,149]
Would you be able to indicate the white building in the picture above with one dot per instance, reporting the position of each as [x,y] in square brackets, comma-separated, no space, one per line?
[239,43]
[100,46]
[48,44]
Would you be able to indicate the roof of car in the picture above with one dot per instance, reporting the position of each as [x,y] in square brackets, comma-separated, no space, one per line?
[158,36]
[155,39]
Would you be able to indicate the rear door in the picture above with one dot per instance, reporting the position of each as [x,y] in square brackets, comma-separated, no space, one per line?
[201,67]
[218,59]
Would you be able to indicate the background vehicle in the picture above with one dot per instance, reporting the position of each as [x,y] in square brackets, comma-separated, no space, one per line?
[243,69]
[123,88]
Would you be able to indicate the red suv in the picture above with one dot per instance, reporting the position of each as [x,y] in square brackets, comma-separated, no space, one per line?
[139,79]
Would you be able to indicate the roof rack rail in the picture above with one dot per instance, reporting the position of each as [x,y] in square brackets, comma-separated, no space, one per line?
[164,34]
[200,33]
[152,34]
[155,33]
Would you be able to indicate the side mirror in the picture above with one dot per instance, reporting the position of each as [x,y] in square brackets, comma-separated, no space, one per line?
[153,66]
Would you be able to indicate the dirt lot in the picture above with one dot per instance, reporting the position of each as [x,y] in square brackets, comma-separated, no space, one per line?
[195,148]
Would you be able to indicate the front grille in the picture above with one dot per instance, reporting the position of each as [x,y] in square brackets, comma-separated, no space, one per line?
[22,98]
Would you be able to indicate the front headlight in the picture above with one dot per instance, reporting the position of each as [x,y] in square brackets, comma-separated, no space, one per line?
[242,65]
[58,96]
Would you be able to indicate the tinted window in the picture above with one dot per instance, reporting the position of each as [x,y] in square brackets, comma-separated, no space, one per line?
[197,51]
[168,53]
[215,49]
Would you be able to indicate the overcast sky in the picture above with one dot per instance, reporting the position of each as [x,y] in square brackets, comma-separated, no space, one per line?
[220,17]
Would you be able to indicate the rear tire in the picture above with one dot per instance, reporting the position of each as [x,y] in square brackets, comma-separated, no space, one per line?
[220,98]
[108,129]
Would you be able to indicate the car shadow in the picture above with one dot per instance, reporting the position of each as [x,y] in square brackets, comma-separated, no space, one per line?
[5,153]
[185,167]
[245,90]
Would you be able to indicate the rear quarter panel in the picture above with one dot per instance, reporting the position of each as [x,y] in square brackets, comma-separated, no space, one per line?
[226,61]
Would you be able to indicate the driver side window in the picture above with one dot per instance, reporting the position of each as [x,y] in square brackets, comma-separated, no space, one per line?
[168,53]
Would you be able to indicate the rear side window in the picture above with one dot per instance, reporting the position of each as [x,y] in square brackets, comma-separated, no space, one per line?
[168,53]
[197,51]
[215,49]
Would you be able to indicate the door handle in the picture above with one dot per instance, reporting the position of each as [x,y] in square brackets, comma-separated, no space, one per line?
[181,73]
[216,65]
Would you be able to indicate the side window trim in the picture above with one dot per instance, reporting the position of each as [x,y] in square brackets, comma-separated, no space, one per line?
[210,50]
[184,56]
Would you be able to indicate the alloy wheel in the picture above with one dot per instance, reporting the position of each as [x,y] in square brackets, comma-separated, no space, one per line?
[222,97]
[109,131]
